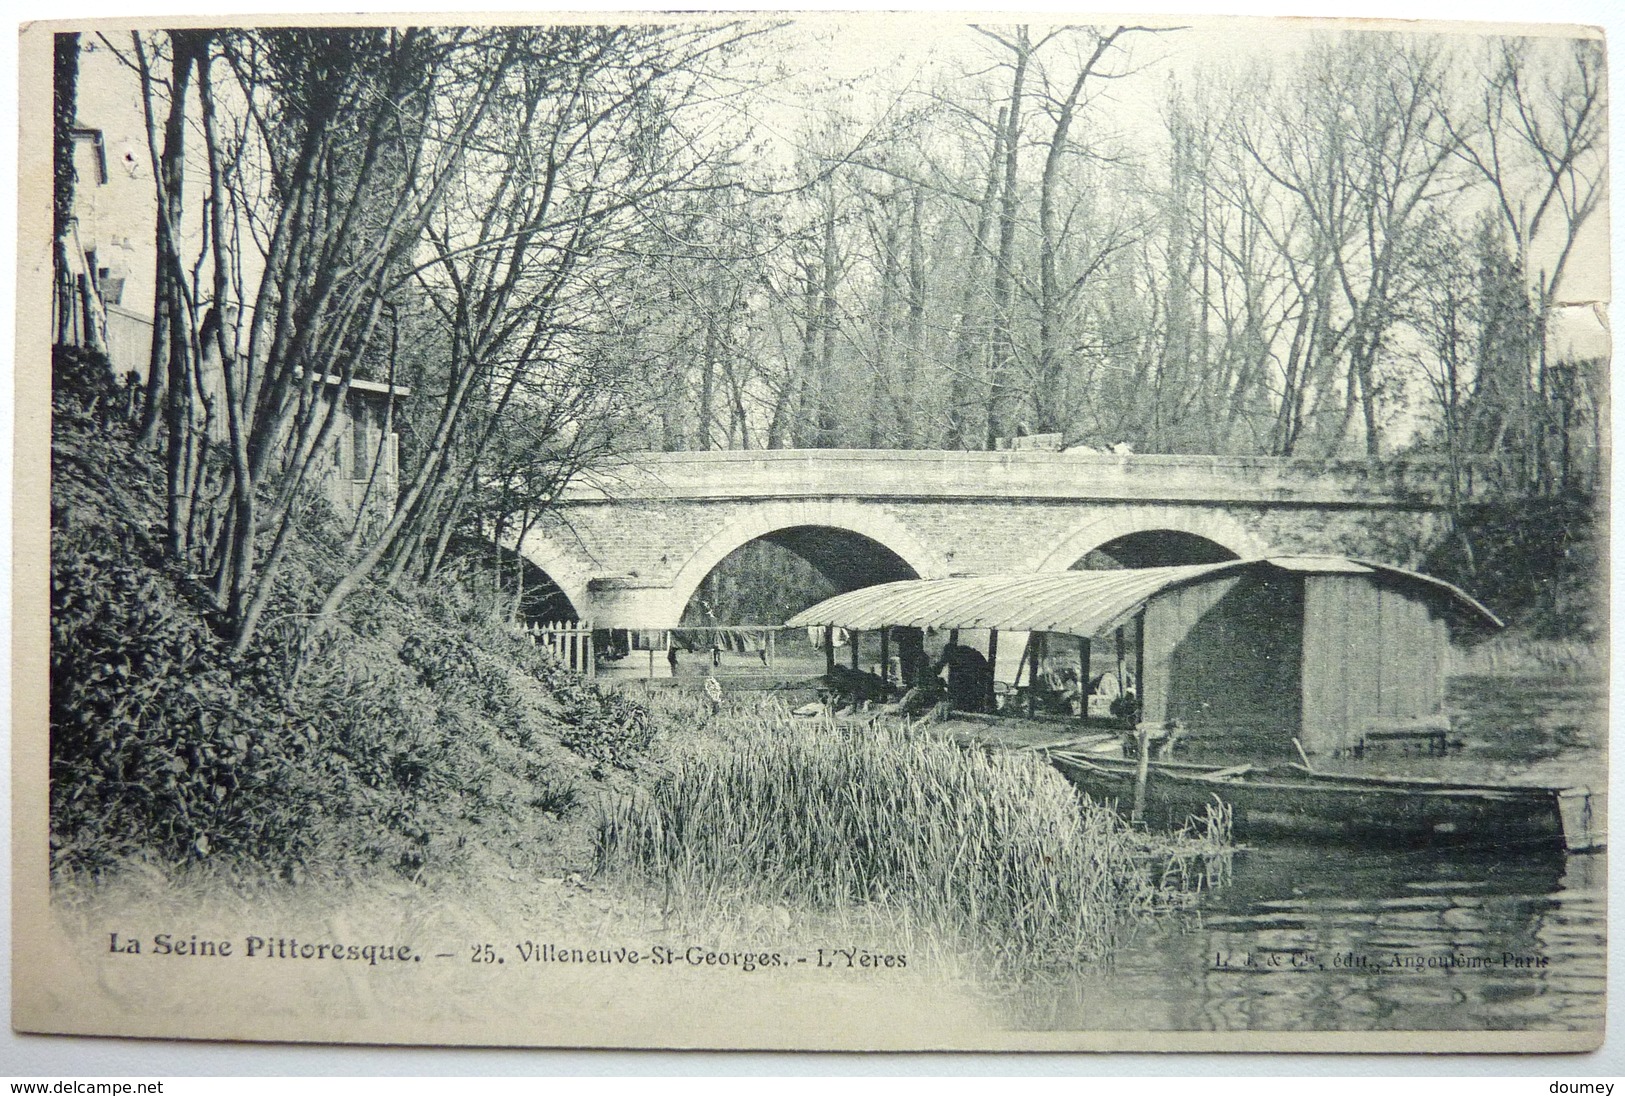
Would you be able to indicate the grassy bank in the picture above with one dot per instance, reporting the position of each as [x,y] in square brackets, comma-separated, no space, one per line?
[418,742]
[417,731]
[1523,655]
[963,851]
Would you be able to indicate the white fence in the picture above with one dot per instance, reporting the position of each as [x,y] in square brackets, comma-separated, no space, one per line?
[570,641]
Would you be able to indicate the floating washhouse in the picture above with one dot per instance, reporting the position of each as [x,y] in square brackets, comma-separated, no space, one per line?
[1247,655]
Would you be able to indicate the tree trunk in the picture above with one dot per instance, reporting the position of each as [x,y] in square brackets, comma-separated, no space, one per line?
[66,82]
[827,433]
[970,341]
[1004,343]
[186,46]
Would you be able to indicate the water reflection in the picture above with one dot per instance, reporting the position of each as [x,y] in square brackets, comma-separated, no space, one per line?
[1311,937]
[1306,938]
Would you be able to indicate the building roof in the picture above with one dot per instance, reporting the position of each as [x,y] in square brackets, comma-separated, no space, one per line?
[1087,603]
[333,380]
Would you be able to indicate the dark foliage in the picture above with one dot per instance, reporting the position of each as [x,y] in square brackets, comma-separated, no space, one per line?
[760,581]
[1535,560]
[84,387]
[606,729]
[311,753]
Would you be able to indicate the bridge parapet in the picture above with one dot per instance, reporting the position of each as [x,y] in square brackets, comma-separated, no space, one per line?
[1014,475]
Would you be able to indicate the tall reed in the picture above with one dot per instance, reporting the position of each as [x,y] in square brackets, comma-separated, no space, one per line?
[994,850]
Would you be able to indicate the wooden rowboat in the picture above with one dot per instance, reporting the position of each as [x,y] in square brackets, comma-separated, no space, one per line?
[1320,655]
[1296,802]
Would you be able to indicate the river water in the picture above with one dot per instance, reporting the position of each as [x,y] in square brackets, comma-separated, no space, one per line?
[1324,938]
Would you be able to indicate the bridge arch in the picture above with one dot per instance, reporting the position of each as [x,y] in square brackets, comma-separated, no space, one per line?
[1215,526]
[864,520]
[570,573]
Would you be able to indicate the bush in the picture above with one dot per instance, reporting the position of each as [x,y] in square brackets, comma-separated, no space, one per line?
[607,729]
[1535,560]
[157,743]
[83,385]
[311,753]
[476,665]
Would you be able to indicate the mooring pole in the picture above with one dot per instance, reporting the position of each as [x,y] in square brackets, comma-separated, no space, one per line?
[992,668]
[1034,655]
[1083,675]
[1140,706]
[1142,735]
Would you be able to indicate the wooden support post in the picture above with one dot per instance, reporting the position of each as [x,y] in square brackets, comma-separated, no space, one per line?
[1142,734]
[1035,642]
[770,636]
[829,650]
[1083,675]
[1121,658]
[885,657]
[1139,668]
[852,635]
[992,669]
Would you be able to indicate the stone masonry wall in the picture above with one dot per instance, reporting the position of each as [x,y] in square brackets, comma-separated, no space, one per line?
[638,563]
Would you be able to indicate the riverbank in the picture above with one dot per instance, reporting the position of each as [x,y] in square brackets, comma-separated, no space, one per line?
[411,732]
[1386,925]
[746,831]
[419,749]
[1520,654]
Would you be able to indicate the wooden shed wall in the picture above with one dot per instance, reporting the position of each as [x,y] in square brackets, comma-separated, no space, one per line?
[1224,657]
[1371,654]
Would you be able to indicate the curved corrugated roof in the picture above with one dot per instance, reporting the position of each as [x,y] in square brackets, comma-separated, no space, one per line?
[1084,603]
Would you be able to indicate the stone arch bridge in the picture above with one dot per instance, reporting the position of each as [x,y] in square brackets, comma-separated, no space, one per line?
[629,547]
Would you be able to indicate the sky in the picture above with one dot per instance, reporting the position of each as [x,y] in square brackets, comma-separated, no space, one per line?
[869,55]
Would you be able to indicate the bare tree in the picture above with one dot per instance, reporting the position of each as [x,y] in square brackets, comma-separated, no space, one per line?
[1533,135]
[1358,140]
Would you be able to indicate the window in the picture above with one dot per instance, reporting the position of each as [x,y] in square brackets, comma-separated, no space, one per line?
[361,442]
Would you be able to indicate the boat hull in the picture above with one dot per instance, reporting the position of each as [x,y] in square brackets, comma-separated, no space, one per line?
[1298,804]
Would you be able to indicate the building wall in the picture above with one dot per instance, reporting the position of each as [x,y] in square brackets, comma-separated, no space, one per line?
[1222,657]
[129,342]
[1372,656]
[355,459]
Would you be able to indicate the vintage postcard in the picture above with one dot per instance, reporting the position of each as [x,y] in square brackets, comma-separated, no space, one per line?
[853,532]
